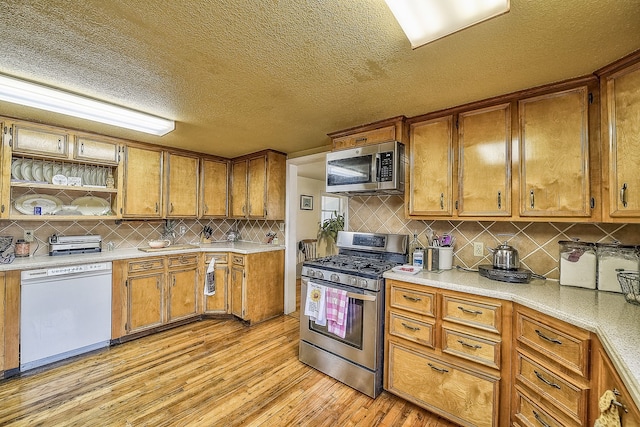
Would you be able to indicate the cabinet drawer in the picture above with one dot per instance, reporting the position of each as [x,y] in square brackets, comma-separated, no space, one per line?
[471,397]
[237,259]
[376,136]
[221,258]
[146,265]
[472,313]
[562,343]
[474,348]
[183,260]
[46,141]
[94,150]
[412,330]
[563,394]
[415,301]
[531,414]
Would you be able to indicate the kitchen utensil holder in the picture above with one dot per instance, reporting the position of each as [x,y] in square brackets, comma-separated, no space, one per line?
[630,284]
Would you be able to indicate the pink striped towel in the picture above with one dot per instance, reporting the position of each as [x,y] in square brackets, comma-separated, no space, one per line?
[337,305]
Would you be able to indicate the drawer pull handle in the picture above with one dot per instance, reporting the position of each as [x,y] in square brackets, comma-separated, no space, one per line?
[466,344]
[412,299]
[546,381]
[540,420]
[551,340]
[411,328]
[467,311]
[435,368]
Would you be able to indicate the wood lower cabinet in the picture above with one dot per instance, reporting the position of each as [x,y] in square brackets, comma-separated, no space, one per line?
[152,292]
[444,352]
[257,285]
[551,370]
[219,302]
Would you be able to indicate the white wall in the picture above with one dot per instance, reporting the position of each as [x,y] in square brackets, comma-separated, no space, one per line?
[307,221]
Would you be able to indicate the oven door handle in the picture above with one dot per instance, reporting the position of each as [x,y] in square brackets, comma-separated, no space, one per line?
[361,297]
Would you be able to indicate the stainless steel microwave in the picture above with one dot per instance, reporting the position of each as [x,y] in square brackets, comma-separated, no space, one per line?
[372,169]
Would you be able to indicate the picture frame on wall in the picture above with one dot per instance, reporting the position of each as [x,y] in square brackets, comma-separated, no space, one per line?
[306,202]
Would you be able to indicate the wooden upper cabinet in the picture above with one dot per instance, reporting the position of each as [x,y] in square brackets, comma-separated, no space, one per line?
[484,165]
[258,184]
[431,167]
[214,188]
[622,113]
[554,155]
[182,186]
[374,133]
[40,140]
[239,188]
[96,150]
[142,188]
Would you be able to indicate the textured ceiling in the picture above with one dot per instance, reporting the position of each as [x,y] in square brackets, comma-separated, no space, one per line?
[242,75]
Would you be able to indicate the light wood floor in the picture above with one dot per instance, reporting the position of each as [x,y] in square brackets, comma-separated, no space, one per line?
[208,373]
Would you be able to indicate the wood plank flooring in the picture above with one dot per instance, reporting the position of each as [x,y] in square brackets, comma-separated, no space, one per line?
[208,373]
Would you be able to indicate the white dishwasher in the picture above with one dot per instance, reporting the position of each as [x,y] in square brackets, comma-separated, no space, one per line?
[64,311]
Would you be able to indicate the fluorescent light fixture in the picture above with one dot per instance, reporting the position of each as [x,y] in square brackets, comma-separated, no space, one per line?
[424,21]
[38,96]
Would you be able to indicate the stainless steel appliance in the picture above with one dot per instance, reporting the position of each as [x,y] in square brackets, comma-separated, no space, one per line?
[68,245]
[373,169]
[356,359]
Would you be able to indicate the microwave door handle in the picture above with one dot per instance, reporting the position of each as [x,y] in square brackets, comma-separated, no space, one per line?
[378,167]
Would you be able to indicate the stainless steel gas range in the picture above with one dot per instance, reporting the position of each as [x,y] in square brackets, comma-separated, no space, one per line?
[356,359]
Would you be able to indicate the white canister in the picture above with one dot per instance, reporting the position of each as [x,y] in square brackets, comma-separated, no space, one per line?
[578,264]
[445,258]
[612,257]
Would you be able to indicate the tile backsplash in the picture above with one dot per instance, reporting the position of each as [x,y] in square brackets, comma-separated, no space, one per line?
[131,234]
[536,242]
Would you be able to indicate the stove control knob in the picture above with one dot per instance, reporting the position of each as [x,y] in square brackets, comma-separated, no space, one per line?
[335,278]
[311,272]
[353,281]
[319,275]
[362,283]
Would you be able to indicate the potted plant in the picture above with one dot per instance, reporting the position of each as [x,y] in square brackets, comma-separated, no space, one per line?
[328,230]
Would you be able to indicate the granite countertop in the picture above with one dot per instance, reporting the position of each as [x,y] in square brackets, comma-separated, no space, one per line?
[615,321]
[45,261]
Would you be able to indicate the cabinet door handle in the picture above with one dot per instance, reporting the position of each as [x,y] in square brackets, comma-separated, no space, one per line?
[540,420]
[158,284]
[499,200]
[435,368]
[412,299]
[472,346]
[82,148]
[411,328]
[546,381]
[171,207]
[623,194]
[532,199]
[156,207]
[206,208]
[59,145]
[467,311]
[173,283]
[546,338]
[441,201]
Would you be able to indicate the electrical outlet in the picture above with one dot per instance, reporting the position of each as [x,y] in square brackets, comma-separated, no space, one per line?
[478,249]
[28,235]
[183,230]
[282,227]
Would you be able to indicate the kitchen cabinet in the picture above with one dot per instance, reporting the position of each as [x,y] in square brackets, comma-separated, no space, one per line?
[257,285]
[258,186]
[142,191]
[388,130]
[97,149]
[10,327]
[484,159]
[182,186]
[551,369]
[554,154]
[30,139]
[621,120]
[605,377]
[214,188]
[152,292]
[446,343]
[219,303]
[430,189]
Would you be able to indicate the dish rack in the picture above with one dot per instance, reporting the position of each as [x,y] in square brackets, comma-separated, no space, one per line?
[630,284]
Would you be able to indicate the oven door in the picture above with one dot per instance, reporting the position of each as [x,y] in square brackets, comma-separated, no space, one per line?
[363,339]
